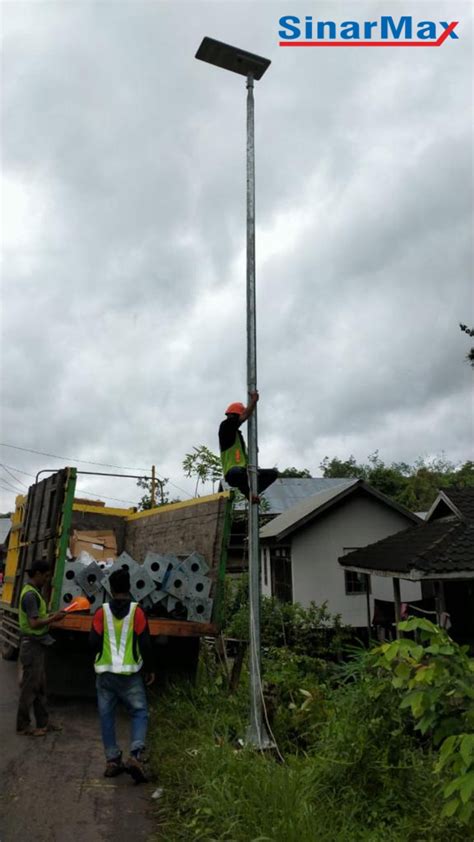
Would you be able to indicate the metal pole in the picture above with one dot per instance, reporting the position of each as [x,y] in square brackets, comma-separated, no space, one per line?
[256,734]
[397,602]
[153,483]
[367,597]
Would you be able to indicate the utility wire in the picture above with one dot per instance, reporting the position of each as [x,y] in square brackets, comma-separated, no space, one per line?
[79,490]
[86,462]
[12,487]
[69,458]
[9,489]
[18,470]
[5,468]
[98,494]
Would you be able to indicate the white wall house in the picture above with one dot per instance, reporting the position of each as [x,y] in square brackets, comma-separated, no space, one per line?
[301,547]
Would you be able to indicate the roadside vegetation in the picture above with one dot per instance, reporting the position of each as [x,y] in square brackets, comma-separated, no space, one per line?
[372,744]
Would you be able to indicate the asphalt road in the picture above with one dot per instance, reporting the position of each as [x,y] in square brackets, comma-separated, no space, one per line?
[52,788]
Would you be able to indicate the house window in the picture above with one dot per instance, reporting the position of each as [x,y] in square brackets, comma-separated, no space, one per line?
[282,580]
[356,582]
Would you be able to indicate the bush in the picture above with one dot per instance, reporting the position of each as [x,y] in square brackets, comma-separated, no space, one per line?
[312,631]
[435,678]
[355,767]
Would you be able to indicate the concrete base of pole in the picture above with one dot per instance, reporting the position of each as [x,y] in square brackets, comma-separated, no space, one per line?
[258,738]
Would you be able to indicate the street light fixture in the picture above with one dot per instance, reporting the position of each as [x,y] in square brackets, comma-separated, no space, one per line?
[253,67]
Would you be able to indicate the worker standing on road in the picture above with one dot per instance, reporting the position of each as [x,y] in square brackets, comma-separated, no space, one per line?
[35,638]
[233,451]
[121,641]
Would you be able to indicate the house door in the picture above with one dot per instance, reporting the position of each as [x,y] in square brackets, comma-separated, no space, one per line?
[282,579]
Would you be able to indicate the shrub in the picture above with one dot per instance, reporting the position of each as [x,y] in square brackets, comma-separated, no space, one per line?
[436,680]
[312,631]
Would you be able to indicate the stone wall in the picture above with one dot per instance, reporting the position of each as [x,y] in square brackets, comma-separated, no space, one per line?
[182,530]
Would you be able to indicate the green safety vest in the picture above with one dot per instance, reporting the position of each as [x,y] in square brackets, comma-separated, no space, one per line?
[235,456]
[117,648]
[25,627]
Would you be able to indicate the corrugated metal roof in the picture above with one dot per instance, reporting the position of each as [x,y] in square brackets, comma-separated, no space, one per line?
[286,492]
[301,510]
[5,526]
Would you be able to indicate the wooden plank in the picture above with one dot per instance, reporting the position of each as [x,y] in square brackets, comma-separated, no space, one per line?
[181,628]
[158,626]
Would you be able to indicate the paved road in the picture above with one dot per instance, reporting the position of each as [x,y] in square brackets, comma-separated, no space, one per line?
[52,789]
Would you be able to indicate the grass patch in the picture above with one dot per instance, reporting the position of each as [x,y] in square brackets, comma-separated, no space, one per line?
[360,775]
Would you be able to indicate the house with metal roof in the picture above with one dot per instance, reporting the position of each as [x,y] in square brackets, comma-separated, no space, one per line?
[302,545]
[281,495]
[437,554]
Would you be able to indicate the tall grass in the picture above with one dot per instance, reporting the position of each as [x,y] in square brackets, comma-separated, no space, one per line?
[363,778]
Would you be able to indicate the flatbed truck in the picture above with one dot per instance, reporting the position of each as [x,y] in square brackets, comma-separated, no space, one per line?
[42,525]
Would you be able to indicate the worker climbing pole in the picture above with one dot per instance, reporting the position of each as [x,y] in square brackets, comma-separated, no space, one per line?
[253,67]
[256,732]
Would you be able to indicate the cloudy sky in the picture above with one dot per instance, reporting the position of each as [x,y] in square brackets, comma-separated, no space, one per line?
[123,249]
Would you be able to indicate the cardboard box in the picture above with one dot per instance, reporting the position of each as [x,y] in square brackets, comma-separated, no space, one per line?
[101,545]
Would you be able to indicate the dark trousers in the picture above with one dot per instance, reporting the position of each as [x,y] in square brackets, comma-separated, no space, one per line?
[33,685]
[238,478]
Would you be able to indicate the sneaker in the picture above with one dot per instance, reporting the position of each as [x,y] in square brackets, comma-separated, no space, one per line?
[114,767]
[54,727]
[32,732]
[135,767]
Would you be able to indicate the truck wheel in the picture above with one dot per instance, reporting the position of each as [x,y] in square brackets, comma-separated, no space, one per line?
[9,652]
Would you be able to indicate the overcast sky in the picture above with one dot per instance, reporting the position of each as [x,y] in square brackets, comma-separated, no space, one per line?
[123,249]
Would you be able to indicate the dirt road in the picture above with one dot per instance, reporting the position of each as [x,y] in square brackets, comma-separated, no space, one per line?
[52,788]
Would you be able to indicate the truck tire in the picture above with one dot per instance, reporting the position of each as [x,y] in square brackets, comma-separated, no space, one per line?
[9,652]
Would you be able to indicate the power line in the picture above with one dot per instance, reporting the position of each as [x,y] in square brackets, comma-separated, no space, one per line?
[5,468]
[18,470]
[98,494]
[87,462]
[12,487]
[9,489]
[79,490]
[70,458]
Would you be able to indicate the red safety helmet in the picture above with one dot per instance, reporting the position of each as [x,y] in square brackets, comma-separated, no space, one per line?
[235,409]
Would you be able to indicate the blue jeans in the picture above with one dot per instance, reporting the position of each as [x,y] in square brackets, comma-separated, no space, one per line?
[130,690]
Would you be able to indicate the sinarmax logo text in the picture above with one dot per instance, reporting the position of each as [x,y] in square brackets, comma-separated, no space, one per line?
[386,31]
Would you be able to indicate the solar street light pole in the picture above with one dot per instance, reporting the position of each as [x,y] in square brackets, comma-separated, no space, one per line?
[253,67]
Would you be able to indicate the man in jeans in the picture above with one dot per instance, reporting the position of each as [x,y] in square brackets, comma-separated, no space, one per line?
[34,639]
[121,641]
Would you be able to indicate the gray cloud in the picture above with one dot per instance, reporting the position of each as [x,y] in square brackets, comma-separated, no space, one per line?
[123,303]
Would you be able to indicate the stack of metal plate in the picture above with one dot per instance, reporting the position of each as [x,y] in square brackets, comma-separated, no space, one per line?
[164,582]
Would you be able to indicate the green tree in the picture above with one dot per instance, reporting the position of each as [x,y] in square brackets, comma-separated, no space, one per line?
[414,486]
[302,473]
[470,332]
[342,468]
[204,465]
[162,494]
